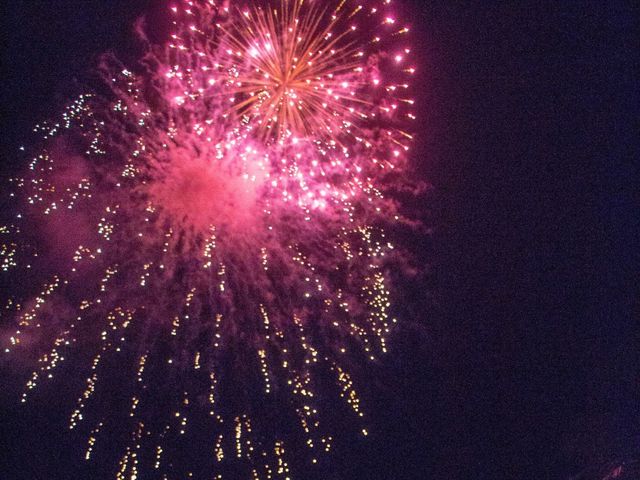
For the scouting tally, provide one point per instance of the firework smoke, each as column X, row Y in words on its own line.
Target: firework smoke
column 214, row 223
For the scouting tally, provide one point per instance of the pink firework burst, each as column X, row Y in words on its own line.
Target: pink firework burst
column 217, row 222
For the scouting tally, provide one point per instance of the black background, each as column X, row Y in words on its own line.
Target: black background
column 526, row 363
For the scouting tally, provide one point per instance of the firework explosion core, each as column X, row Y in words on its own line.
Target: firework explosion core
column 216, row 222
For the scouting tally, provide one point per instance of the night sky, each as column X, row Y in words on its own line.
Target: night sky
column 520, row 356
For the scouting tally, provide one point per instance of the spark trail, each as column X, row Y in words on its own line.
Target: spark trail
column 208, row 239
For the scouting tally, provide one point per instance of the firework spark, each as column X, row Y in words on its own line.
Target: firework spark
column 300, row 76
column 217, row 222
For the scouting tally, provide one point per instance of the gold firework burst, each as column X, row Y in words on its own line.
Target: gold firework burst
column 296, row 73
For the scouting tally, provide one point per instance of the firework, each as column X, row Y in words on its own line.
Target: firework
column 216, row 222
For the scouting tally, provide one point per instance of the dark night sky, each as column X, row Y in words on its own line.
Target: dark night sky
column 528, row 364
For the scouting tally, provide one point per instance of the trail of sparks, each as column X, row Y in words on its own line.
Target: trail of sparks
column 215, row 225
